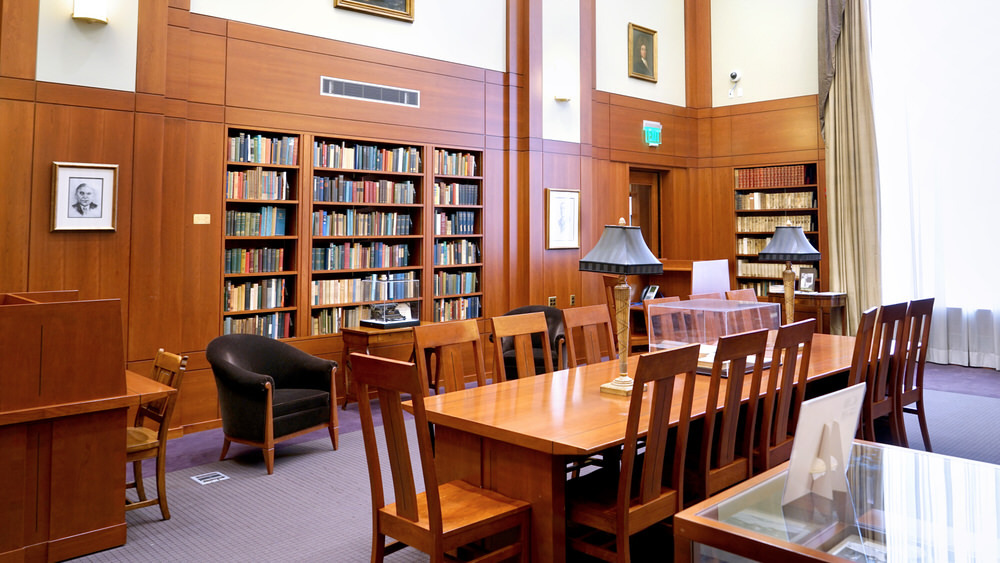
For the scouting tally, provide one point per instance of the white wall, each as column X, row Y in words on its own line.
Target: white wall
column 666, row 18
column 561, row 70
column 458, row 31
column 87, row 54
column 772, row 42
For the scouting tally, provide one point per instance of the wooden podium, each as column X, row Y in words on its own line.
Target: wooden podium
column 63, row 408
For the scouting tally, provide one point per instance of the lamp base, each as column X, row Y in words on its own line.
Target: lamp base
column 621, row 385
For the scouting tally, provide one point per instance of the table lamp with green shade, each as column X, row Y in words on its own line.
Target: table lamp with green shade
column 621, row 250
column 789, row 243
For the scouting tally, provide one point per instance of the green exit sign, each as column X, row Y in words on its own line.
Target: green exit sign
column 651, row 133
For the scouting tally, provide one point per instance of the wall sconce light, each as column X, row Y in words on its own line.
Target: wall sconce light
column 91, row 11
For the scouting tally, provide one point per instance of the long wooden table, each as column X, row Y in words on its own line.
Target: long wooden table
column 516, row 437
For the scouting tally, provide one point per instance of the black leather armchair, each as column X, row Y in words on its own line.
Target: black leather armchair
column 270, row 391
column 557, row 340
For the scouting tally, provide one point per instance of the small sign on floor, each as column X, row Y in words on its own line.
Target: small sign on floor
column 206, row 478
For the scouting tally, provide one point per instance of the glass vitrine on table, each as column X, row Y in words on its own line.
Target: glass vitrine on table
column 901, row 505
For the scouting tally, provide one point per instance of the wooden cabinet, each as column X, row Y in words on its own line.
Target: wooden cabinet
column 262, row 193
column 366, row 224
column 767, row 197
column 457, row 229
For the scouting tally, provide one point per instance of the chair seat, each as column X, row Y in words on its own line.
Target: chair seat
column 140, row 438
column 288, row 401
column 462, row 505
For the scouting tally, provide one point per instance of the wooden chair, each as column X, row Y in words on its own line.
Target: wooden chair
column 593, row 326
column 143, row 442
column 448, row 343
column 863, row 342
column 445, row 516
column 746, row 294
column 887, row 357
column 726, row 454
column 521, row 328
column 637, row 340
column 918, row 331
column 713, row 295
column 786, row 387
column 623, row 501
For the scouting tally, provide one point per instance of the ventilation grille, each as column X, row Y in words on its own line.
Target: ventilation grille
column 206, row 478
column 341, row 88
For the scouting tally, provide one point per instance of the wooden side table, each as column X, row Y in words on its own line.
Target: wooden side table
column 363, row 339
column 819, row 304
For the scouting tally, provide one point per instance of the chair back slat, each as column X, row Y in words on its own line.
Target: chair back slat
column 786, row 383
column 918, row 329
column 392, row 380
column 712, row 295
column 658, row 370
column 888, row 354
column 592, row 326
column 719, row 465
column 863, row 342
column 167, row 369
column 745, row 294
column 520, row 328
column 450, row 344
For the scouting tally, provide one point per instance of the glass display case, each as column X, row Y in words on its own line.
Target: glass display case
column 394, row 302
column 703, row 321
column 901, row 505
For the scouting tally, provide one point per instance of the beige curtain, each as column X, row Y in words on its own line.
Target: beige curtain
column 852, row 168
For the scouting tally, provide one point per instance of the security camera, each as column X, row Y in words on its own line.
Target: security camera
column 735, row 76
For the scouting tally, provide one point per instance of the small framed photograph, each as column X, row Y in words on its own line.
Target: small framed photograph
column 807, row 279
column 84, row 196
column 562, row 219
column 396, row 9
column 641, row 52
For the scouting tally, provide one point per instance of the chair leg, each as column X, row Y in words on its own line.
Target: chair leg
column 161, row 484
column 378, row 548
column 525, row 530
column 922, row 418
column 225, row 448
column 899, row 429
column 333, row 436
column 137, row 474
column 269, row 459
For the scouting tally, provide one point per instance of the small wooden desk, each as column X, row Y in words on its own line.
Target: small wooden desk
column 516, row 437
column 819, row 304
column 363, row 339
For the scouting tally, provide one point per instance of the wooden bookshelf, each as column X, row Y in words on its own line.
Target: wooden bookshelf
column 260, row 266
column 766, row 197
column 457, row 228
column 366, row 224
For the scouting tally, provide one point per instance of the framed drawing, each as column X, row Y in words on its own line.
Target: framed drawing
column 84, row 196
column 396, row 9
column 807, row 279
column 642, row 52
column 562, row 219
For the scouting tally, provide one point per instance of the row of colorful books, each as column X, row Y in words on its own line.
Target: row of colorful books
column 261, row 149
column 360, row 289
column 254, row 260
column 454, row 164
column 275, row 325
column 784, row 200
column 455, row 194
column 460, row 251
column 257, row 183
column 355, row 156
column 268, row 222
column 446, row 283
column 353, row 223
column 455, row 223
column 254, row 295
column 767, row 223
column 353, row 256
column 456, row 309
column 340, row 190
column 774, row 176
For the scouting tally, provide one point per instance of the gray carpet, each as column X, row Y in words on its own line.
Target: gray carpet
column 315, row 507
column 959, row 425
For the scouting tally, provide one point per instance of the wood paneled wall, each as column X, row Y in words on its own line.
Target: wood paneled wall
column 198, row 75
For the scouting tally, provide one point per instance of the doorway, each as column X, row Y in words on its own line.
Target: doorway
column 644, row 206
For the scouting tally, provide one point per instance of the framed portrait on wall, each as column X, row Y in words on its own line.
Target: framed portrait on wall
column 642, row 52
column 562, row 218
column 396, row 9
column 84, row 196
